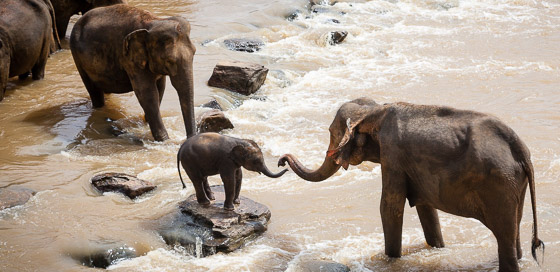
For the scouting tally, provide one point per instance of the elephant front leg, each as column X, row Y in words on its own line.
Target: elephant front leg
column 228, row 178
column 145, row 89
column 393, row 198
column 430, row 224
column 238, row 179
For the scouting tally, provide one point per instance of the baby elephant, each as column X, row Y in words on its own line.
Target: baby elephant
column 208, row 154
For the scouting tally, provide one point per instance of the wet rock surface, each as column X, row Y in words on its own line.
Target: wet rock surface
column 337, row 37
column 244, row 44
column 322, row 266
column 205, row 230
column 128, row 185
column 241, row 77
column 213, row 121
column 213, row 104
column 104, row 257
column 14, row 196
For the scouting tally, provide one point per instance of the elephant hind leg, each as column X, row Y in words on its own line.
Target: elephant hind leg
column 24, row 75
column 207, row 189
column 504, row 226
column 430, row 224
column 38, row 70
column 96, row 94
column 519, row 216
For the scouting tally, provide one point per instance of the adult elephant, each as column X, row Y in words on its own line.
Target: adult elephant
column 461, row 162
column 119, row 49
column 64, row 9
column 26, row 38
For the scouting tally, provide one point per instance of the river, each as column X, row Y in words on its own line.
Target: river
column 500, row 57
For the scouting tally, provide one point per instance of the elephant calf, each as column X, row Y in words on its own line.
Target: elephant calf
column 461, row 162
column 208, row 154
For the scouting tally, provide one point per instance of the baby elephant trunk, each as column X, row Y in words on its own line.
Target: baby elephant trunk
column 269, row 174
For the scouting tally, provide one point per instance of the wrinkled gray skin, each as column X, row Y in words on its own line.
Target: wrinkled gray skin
column 208, row 154
column 64, row 9
column 26, row 38
column 461, row 162
column 119, row 49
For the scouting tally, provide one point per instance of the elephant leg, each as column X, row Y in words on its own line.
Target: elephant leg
column 198, row 183
column 96, row 94
column 38, row 70
column 161, row 87
column 207, row 189
column 228, row 178
column 519, row 216
column 393, row 198
column 145, row 89
column 504, row 226
column 238, row 179
column 430, row 224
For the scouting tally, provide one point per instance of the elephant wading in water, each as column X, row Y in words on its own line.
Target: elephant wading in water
column 208, row 154
column 64, row 9
column 461, row 162
column 26, row 39
column 118, row 49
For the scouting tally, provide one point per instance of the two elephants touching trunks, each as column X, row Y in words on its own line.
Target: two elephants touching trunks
column 461, row 162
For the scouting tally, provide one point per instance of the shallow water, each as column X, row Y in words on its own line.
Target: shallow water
column 498, row 57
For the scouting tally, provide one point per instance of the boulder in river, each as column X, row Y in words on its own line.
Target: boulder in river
column 244, row 44
column 104, row 257
column 337, row 37
column 241, row 77
column 128, row 185
column 205, row 230
column 14, row 196
column 213, row 121
column 213, row 104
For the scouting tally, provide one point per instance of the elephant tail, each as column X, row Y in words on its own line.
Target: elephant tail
column 57, row 45
column 536, row 242
column 179, row 165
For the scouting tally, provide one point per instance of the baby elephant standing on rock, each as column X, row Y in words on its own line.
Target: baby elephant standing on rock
column 208, row 154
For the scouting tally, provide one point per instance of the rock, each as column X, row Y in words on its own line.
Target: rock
column 337, row 37
column 244, row 45
column 213, row 121
column 213, row 104
column 322, row 2
column 322, row 266
column 128, row 185
column 103, row 258
column 292, row 16
column 244, row 78
column 206, row 230
column 14, row 196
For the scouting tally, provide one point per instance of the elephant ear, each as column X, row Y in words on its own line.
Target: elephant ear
column 134, row 47
column 340, row 153
column 239, row 154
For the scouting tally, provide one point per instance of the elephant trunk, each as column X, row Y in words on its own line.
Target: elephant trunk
column 269, row 174
column 183, row 83
column 327, row 169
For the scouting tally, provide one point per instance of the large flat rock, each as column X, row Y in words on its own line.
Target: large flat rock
column 14, row 196
column 128, row 185
column 210, row 229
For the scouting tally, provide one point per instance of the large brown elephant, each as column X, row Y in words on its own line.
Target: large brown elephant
column 119, row 49
column 461, row 162
column 64, row 9
column 26, row 39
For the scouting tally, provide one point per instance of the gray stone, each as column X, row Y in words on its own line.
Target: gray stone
column 128, row 185
column 104, row 257
column 213, row 104
column 337, row 37
column 206, row 230
column 241, row 77
column 244, row 45
column 213, row 121
column 321, row 266
column 14, row 196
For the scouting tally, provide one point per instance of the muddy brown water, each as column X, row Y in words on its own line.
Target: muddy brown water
column 500, row 57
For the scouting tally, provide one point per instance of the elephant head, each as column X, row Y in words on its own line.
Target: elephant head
column 249, row 155
column 165, row 48
column 353, row 139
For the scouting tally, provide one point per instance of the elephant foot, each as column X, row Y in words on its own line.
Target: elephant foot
column 236, row 201
column 24, row 76
column 211, row 196
column 204, row 203
column 228, row 207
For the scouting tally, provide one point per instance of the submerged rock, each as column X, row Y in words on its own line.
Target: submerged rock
column 241, row 77
column 128, row 185
column 14, row 196
column 322, row 266
column 213, row 104
column 244, row 45
column 205, row 230
column 103, row 258
column 337, row 37
column 213, row 121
